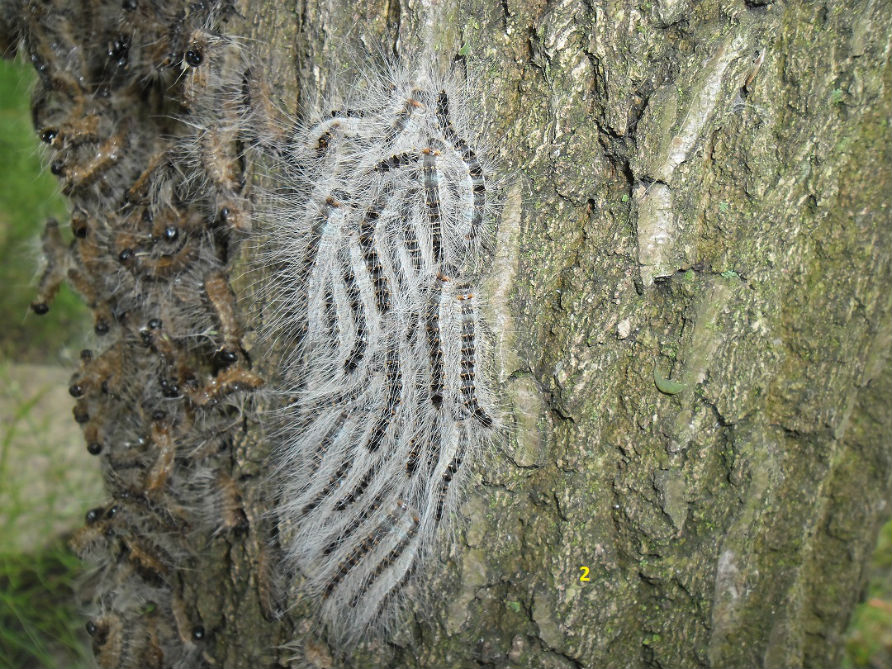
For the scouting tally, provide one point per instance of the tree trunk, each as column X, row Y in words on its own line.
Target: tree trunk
column 690, row 300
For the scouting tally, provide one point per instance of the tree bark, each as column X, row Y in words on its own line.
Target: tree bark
column 690, row 299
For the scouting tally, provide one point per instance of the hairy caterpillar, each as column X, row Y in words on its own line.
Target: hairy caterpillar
column 380, row 220
column 122, row 90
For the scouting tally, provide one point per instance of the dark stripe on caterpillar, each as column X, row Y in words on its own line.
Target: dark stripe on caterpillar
column 370, row 254
column 361, row 332
column 402, row 117
column 475, row 171
column 450, row 473
column 395, row 161
column 411, row 238
column 334, row 481
column 412, row 460
column 354, row 494
column 468, row 373
column 394, row 391
column 435, row 346
column 432, row 199
column 388, row 559
column 355, row 523
column 326, row 442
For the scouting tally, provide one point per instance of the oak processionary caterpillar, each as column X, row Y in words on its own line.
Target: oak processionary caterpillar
column 378, row 227
column 376, row 232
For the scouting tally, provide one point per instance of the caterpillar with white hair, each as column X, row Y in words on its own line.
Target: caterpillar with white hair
column 379, row 222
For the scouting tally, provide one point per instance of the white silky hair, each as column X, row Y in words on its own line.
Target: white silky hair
column 379, row 218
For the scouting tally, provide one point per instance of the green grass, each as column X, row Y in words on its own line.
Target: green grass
column 39, row 626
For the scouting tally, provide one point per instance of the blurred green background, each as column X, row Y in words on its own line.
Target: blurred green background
column 47, row 479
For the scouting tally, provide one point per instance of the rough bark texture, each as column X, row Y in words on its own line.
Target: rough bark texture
column 702, row 194
column 691, row 296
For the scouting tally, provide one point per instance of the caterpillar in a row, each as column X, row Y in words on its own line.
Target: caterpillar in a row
column 380, row 219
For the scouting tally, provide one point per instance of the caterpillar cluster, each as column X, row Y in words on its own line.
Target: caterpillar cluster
column 381, row 223
column 378, row 225
column 156, row 209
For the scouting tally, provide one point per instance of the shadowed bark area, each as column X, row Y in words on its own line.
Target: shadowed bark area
column 690, row 299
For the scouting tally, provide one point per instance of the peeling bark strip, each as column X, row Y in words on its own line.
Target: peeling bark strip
column 412, row 195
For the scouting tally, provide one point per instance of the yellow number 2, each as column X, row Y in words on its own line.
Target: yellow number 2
column 584, row 576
